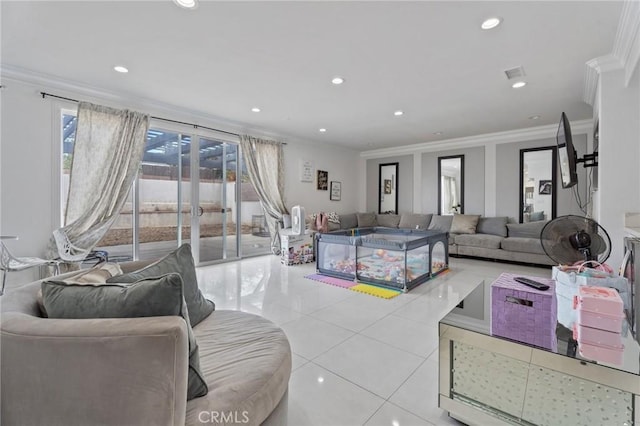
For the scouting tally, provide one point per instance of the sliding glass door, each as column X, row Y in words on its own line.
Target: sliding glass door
column 216, row 209
column 191, row 188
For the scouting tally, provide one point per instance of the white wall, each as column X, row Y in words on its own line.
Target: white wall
column 340, row 163
column 619, row 155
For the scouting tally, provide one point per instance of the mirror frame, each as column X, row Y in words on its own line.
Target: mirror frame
column 554, row 179
column 449, row 157
column 380, row 186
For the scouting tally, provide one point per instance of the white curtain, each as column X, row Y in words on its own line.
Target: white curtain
column 107, row 153
column 265, row 165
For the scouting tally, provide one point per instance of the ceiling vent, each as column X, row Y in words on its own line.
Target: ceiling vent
column 512, row 73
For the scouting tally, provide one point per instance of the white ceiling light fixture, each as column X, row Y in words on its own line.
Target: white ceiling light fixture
column 255, row 109
column 437, row 133
column 518, row 84
column 337, row 80
column 534, row 117
column 121, row 69
column 491, row 23
column 398, row 113
column 322, row 130
column 187, row 4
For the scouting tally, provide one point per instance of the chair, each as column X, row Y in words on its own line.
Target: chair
column 10, row 263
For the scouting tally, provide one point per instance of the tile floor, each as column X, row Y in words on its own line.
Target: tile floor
column 357, row 359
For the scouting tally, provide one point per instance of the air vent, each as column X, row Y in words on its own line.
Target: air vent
column 514, row 73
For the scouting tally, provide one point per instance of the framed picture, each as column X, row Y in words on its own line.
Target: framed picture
column 336, row 191
column 323, row 180
column 545, row 187
column 306, row 171
column 387, row 186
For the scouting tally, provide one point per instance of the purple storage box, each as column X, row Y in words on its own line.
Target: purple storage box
column 522, row 313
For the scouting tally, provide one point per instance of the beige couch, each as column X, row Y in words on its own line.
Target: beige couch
column 134, row 371
column 494, row 237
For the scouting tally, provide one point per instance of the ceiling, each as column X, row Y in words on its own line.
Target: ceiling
column 429, row 59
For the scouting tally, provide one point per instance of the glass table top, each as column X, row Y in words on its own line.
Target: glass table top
column 474, row 314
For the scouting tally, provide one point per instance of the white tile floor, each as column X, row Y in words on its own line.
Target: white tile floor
column 357, row 359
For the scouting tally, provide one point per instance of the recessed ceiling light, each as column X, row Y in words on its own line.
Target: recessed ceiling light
column 187, row 4
column 437, row 133
column 254, row 109
column 518, row 84
column 397, row 113
column 337, row 80
column 322, row 130
column 491, row 23
column 534, row 117
column 120, row 68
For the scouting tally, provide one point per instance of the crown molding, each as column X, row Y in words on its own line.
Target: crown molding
column 590, row 84
column 510, row 136
column 73, row 89
column 626, row 46
column 594, row 68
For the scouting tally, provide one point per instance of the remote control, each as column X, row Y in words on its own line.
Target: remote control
column 532, row 283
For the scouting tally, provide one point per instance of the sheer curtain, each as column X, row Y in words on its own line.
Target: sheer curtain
column 265, row 165
column 107, row 153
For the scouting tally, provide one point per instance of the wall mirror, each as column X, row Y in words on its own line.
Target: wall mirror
column 537, row 184
column 388, row 188
column 451, row 189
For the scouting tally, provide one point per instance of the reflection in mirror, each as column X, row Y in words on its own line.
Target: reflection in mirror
column 451, row 189
column 388, row 188
column 537, row 184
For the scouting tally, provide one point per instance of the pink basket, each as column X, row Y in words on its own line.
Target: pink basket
column 596, row 336
column 522, row 313
column 601, row 353
column 599, row 307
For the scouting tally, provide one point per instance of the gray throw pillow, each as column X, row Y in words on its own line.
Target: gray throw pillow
column 366, row 220
column 149, row 297
column 526, row 230
column 415, row 221
column 348, row 221
column 493, row 226
column 441, row 223
column 180, row 262
column 388, row 220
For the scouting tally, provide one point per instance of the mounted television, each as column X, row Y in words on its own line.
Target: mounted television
column 566, row 153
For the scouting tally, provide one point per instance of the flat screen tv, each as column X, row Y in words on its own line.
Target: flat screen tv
column 566, row 153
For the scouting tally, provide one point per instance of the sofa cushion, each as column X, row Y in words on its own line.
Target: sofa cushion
column 181, row 262
column 525, row 230
column 247, row 363
column 479, row 240
column 100, row 273
column 536, row 216
column 522, row 245
column 366, row 220
column 493, row 226
column 415, row 221
column 149, row 297
column 388, row 220
column 464, row 223
column 348, row 221
column 440, row 223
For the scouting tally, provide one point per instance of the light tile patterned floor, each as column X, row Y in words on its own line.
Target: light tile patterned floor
column 357, row 359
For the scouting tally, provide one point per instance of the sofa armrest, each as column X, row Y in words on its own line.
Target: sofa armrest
column 125, row 371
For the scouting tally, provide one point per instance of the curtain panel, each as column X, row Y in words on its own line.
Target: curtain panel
column 107, row 154
column 265, row 165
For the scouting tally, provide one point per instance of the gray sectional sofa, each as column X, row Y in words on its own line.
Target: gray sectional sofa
column 472, row 235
